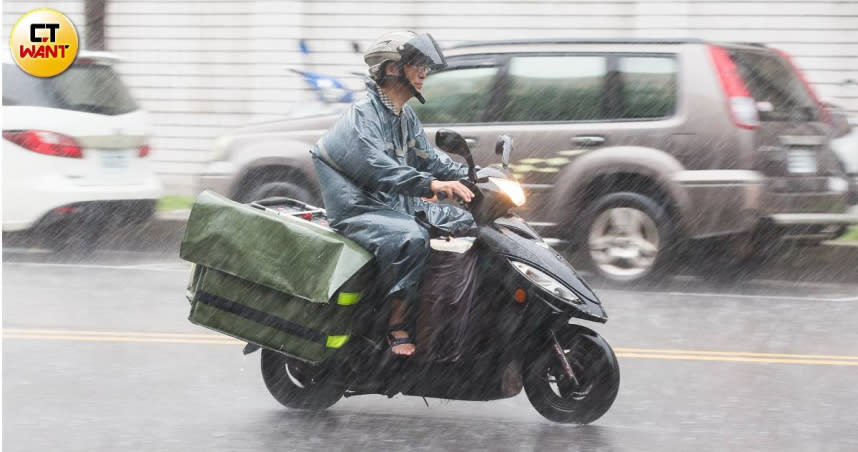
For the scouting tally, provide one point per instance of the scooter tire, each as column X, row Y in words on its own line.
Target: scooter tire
column 595, row 366
column 298, row 385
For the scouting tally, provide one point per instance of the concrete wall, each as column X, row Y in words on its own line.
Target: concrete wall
column 202, row 68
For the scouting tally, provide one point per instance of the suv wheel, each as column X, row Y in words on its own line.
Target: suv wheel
column 627, row 237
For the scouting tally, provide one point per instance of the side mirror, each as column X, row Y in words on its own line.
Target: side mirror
column 503, row 147
column 450, row 141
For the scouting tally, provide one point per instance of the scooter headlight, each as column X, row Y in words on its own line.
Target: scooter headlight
column 546, row 282
column 511, row 188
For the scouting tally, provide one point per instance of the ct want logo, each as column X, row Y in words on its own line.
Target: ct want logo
column 44, row 42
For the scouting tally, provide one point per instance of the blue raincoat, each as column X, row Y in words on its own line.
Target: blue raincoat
column 374, row 167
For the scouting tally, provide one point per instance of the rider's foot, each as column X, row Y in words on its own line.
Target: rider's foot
column 401, row 344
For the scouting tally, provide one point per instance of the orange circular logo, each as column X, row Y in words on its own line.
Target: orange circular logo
column 44, row 42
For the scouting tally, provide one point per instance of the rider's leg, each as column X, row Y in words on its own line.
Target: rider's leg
column 398, row 315
column 401, row 250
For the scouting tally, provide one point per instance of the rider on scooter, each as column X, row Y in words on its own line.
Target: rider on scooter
column 376, row 162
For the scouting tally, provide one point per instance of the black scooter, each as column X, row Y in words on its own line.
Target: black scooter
column 517, row 331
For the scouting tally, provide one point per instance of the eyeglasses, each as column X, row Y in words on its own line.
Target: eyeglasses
column 424, row 68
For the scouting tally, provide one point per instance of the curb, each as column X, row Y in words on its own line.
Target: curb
column 834, row 261
column 173, row 215
column 163, row 234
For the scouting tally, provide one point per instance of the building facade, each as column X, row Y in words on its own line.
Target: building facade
column 203, row 68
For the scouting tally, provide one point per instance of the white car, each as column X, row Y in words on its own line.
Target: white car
column 74, row 152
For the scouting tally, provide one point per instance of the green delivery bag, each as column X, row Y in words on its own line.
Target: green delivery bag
column 271, row 279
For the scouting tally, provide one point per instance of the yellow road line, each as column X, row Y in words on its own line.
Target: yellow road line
column 622, row 352
column 717, row 353
column 86, row 338
column 107, row 333
column 737, row 359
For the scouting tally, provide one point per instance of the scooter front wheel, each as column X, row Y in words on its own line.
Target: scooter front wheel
column 298, row 385
column 582, row 397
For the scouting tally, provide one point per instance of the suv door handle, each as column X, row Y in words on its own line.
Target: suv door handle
column 591, row 140
column 471, row 141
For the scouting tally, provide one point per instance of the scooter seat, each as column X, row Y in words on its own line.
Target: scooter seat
column 452, row 245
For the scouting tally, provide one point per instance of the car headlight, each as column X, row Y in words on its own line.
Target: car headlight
column 511, row 188
column 546, row 282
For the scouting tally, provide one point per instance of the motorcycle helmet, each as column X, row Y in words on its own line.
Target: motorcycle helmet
column 403, row 47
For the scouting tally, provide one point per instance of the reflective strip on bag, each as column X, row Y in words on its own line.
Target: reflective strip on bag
column 337, row 341
column 348, row 298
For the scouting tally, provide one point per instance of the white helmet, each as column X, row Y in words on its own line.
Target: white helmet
column 403, row 47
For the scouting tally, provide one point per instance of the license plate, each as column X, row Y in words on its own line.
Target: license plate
column 114, row 160
column 802, row 162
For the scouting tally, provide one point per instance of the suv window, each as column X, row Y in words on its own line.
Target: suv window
column 456, row 95
column 555, row 88
column 648, row 87
column 91, row 88
column 779, row 93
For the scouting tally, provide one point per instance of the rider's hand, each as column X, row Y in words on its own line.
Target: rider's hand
column 453, row 189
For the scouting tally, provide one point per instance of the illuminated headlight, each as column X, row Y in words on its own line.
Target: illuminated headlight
column 511, row 188
column 546, row 282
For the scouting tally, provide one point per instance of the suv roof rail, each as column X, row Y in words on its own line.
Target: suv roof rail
column 581, row 41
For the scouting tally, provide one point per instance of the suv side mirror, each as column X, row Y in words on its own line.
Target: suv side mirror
column 450, row 141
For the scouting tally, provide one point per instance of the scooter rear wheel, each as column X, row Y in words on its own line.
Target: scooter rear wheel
column 583, row 399
column 298, row 385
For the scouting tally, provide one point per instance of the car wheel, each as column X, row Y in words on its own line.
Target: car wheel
column 278, row 189
column 628, row 236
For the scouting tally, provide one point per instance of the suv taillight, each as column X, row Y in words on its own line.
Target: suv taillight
column 823, row 112
column 44, row 142
column 143, row 151
column 742, row 107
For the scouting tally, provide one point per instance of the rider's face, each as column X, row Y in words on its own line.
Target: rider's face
column 416, row 75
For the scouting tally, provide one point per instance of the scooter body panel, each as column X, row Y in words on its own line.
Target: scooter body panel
column 515, row 240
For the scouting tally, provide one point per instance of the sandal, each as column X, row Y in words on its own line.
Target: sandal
column 396, row 341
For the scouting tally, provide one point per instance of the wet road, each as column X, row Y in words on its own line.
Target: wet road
column 98, row 355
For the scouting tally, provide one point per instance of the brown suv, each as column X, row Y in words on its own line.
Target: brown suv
column 627, row 148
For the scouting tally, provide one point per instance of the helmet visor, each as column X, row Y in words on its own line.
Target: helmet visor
column 422, row 50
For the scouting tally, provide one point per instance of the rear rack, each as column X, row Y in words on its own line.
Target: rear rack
column 292, row 207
